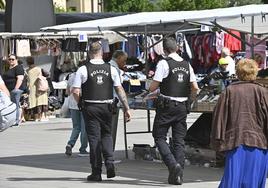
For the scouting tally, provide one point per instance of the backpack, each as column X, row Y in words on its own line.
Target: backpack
column 41, row 84
column 8, row 111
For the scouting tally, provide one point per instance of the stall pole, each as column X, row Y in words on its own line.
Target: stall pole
column 252, row 37
column 125, row 136
column 147, row 71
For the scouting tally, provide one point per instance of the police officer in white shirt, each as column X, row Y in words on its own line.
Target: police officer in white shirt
column 175, row 79
column 97, row 79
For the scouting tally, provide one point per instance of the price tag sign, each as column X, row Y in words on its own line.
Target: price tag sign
column 135, row 82
column 82, row 37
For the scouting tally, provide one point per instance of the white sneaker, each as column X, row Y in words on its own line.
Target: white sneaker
column 45, row 119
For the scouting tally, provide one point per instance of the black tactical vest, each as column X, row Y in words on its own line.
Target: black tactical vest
column 177, row 83
column 99, row 84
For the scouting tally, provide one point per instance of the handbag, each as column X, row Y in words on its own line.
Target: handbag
column 41, row 84
column 64, row 111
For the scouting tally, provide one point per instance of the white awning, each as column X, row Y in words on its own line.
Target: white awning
column 237, row 18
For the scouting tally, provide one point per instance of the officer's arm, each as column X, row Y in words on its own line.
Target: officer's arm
column 122, row 96
column 76, row 93
column 154, row 86
column 195, row 87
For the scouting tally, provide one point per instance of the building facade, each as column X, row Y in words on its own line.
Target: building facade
column 90, row 6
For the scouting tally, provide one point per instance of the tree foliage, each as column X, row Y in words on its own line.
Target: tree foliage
column 172, row 5
column 2, row 5
column 128, row 5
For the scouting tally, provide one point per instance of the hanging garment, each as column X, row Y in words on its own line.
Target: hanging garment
column 73, row 45
column 219, row 42
column 158, row 48
column 232, row 43
column 23, row 48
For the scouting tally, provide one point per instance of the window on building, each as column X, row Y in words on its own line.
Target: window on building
column 72, row 9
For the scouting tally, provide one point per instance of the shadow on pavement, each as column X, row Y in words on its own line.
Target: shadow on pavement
column 105, row 181
column 141, row 172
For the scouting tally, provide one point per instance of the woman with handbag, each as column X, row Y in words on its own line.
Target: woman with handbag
column 38, row 99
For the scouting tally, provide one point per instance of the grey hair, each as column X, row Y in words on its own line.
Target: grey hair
column 119, row 53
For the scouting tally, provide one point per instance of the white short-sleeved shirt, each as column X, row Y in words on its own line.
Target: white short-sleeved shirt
column 81, row 76
column 162, row 71
column 72, row 102
column 231, row 65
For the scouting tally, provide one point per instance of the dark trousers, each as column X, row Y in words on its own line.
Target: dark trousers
column 98, row 118
column 171, row 115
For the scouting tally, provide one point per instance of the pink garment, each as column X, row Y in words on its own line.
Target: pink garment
column 219, row 41
column 150, row 50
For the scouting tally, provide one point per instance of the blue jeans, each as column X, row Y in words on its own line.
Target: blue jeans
column 78, row 127
column 15, row 95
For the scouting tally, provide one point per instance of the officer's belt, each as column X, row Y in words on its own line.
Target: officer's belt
column 170, row 101
column 109, row 101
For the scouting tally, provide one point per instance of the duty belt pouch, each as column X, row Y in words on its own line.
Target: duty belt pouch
column 166, row 103
column 114, row 105
column 160, row 103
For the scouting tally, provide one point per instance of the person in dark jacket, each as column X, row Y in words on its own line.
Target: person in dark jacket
column 240, row 127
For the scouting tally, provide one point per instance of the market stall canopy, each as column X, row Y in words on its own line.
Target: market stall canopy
column 111, row 36
column 237, row 18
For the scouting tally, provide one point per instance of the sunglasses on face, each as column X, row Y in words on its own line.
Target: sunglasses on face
column 10, row 59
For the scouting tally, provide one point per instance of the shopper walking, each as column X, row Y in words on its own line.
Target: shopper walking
column 239, row 128
column 175, row 78
column 97, row 79
column 78, row 123
column 38, row 100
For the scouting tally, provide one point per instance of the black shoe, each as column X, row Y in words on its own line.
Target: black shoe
column 14, row 125
column 175, row 175
column 110, row 171
column 94, row 177
column 68, row 150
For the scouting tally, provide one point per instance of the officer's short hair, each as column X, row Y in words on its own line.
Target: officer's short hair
column 94, row 48
column 119, row 53
column 170, row 45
